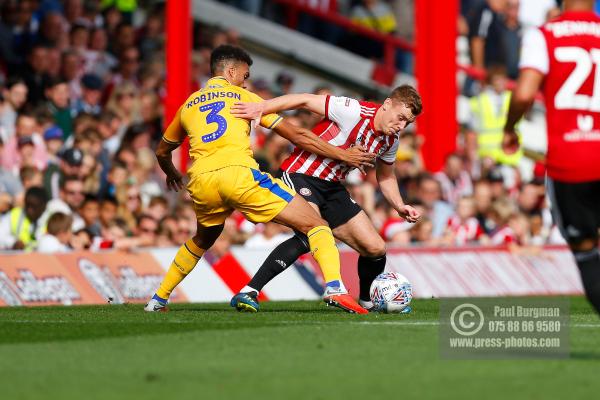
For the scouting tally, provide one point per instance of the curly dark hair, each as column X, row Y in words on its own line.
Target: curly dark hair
column 225, row 53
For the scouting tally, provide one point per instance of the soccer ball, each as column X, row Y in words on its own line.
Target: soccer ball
column 391, row 293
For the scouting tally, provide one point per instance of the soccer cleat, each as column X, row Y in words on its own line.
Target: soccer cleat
column 340, row 298
column 247, row 302
column 156, row 304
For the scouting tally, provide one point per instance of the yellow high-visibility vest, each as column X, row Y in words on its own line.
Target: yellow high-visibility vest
column 491, row 128
column 122, row 5
column 20, row 228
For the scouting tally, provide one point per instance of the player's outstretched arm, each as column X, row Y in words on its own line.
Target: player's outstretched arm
column 389, row 188
column 254, row 111
column 528, row 84
column 356, row 157
column 171, row 140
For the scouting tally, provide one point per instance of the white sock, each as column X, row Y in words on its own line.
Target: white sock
column 247, row 289
column 365, row 304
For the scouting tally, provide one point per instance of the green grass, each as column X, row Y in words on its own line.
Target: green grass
column 290, row 350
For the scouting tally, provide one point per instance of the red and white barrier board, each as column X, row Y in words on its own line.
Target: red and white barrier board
column 93, row 278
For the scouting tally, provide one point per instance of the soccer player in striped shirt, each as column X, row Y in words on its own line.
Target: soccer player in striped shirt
column 347, row 122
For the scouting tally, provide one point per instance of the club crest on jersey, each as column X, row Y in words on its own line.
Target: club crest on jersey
column 305, row 191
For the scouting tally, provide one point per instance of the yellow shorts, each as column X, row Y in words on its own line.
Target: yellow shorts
column 256, row 194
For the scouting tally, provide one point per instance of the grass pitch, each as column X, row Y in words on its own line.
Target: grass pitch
column 290, row 350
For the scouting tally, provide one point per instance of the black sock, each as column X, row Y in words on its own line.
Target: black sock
column 589, row 268
column 368, row 269
column 282, row 257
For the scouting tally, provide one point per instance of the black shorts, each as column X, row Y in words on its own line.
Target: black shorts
column 332, row 198
column 575, row 208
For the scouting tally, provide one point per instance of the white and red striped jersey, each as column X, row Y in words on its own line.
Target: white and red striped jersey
column 464, row 231
column 347, row 123
column 503, row 235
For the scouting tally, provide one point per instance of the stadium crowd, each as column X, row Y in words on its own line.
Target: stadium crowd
column 80, row 114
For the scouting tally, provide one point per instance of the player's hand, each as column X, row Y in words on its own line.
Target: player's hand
column 358, row 157
column 250, row 111
column 510, row 142
column 409, row 213
column 174, row 181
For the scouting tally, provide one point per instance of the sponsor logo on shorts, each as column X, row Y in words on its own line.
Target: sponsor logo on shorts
column 305, row 191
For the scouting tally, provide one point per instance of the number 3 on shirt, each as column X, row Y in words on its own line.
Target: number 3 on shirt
column 214, row 117
column 567, row 97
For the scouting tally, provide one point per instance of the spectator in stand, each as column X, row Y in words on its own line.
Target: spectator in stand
column 53, row 31
column 97, row 60
column 35, row 74
column 130, row 203
column 9, row 184
column 482, row 195
column 90, row 213
column 152, row 37
column 58, row 235
column 463, row 228
column 53, row 138
column 108, row 212
column 374, row 14
column 438, row 211
column 69, row 201
column 79, row 37
column 81, row 240
column 26, row 131
column 158, row 208
column 30, row 177
column 117, row 176
column 495, row 36
column 147, row 229
column 129, row 61
column 530, row 198
column 69, row 165
column 488, row 116
column 110, row 128
column 123, row 102
column 57, row 93
column 284, row 83
column 91, row 96
column 14, row 96
column 501, row 213
column 71, row 71
column 421, row 233
column 20, row 228
column 454, row 180
column 511, row 38
column 26, row 153
column 54, row 68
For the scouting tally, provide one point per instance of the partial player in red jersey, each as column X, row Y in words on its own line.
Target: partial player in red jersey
column 347, row 123
column 563, row 58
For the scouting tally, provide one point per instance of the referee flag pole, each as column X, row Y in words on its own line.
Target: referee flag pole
column 178, row 54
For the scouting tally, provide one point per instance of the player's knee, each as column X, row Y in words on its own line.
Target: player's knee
column 374, row 249
column 306, row 226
